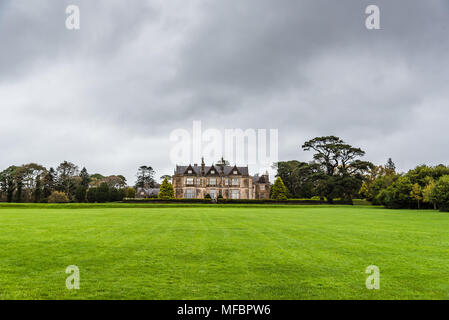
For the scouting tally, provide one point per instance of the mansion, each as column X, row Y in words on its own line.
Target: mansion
column 229, row 182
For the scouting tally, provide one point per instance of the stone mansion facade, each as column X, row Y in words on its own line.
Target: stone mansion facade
column 230, row 182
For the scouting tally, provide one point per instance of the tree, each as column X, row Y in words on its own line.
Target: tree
column 103, row 194
column 397, row 195
column 37, row 190
column 81, row 189
column 441, row 193
column 166, row 191
column 378, row 178
column 166, row 176
column 145, row 177
column 390, row 167
column 92, row 194
column 117, row 182
column 416, row 194
column 278, row 190
column 298, row 177
column 8, row 182
column 48, row 183
column 114, row 194
column 342, row 173
column 96, row 179
column 58, row 197
column 131, row 193
column 428, row 196
column 65, row 174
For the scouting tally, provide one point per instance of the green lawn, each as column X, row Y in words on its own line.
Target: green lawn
column 222, row 252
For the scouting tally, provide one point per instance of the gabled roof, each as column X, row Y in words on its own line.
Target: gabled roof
column 212, row 167
column 189, row 167
column 197, row 169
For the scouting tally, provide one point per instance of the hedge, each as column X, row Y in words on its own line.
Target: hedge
column 230, row 201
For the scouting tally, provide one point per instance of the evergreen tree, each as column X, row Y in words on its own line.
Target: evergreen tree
column 166, row 191
column 145, row 177
column 390, row 166
column 279, row 191
column 81, row 189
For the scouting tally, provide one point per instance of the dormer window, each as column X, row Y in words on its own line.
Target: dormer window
column 235, row 172
column 212, row 171
column 189, row 171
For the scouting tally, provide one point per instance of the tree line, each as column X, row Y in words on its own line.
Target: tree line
column 337, row 171
column 67, row 183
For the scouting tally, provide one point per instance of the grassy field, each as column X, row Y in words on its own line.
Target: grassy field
column 222, row 252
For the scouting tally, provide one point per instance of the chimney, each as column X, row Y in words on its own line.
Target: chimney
column 203, row 169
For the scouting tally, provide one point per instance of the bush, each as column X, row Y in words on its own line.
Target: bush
column 279, row 190
column 58, row 197
column 441, row 193
column 166, row 191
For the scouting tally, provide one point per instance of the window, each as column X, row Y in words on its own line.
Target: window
column 212, row 171
column 212, row 181
column 235, row 194
column 226, row 181
column 235, row 182
column 235, row 172
column 189, row 172
column 190, row 194
column 213, row 194
column 189, row 181
column 262, row 187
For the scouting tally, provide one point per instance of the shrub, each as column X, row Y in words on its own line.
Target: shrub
column 58, row 197
column 166, row 191
column 279, row 190
column 441, row 193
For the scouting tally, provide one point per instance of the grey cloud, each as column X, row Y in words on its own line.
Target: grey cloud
column 108, row 96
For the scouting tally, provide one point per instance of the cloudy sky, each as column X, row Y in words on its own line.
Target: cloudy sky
column 108, row 95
